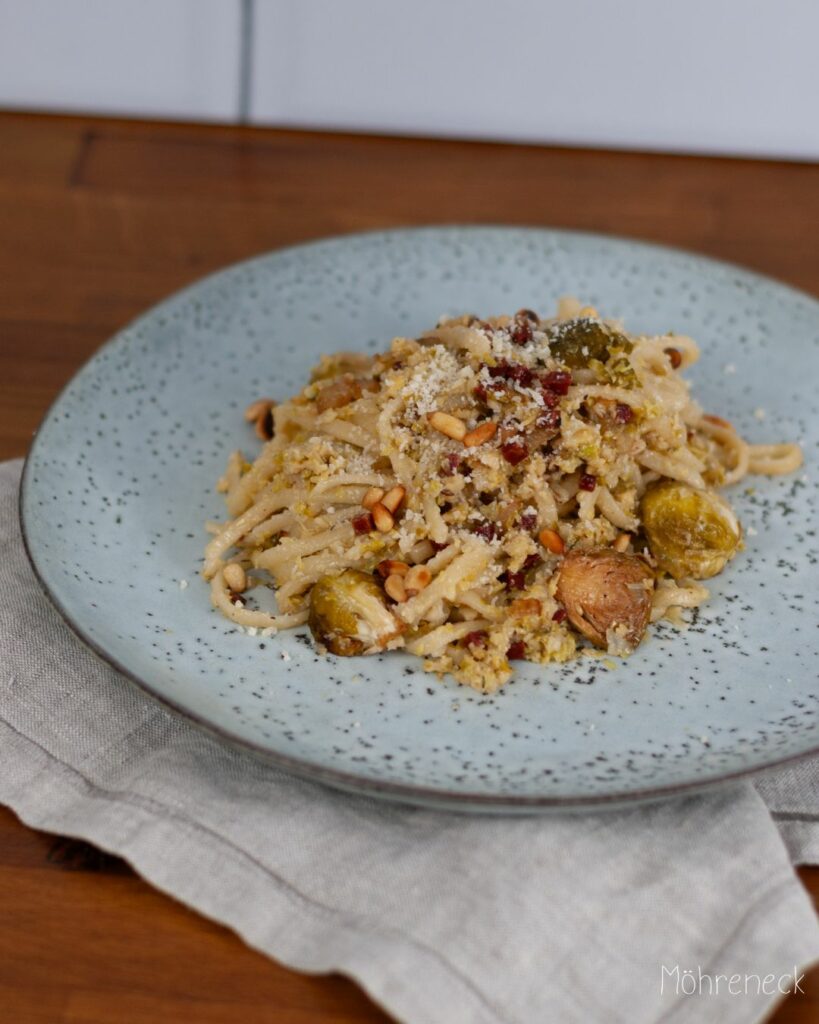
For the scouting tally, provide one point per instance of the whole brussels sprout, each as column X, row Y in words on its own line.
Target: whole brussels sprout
column 579, row 341
column 349, row 614
column 691, row 533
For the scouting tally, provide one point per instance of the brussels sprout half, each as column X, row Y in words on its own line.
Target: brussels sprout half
column 349, row 614
column 691, row 533
column 579, row 341
column 607, row 595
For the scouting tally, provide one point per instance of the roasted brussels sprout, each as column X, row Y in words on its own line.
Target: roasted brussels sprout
column 349, row 614
column 579, row 341
column 607, row 596
column 691, row 533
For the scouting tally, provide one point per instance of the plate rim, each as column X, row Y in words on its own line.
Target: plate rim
column 407, row 793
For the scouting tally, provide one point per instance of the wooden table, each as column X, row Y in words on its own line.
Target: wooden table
column 99, row 219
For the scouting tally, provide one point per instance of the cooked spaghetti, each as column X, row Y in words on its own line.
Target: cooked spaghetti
column 512, row 488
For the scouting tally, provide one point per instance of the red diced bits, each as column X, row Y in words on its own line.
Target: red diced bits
column 521, row 332
column 438, row 545
column 675, row 356
column 514, row 452
column 550, row 399
column 531, row 561
column 363, row 523
column 558, row 381
column 477, row 638
column 486, row 528
column 516, row 372
column 524, row 376
column 623, row 413
column 560, row 615
column 480, row 392
column 515, row 580
column 451, row 463
column 516, row 650
column 588, row 482
column 528, row 521
column 549, row 419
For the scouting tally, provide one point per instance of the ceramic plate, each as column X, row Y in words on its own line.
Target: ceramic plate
column 121, row 476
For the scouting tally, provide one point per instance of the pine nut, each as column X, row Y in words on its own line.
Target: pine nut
column 382, row 517
column 421, row 552
column 552, row 541
column 448, row 425
column 622, row 542
column 481, row 434
column 258, row 408
column 524, row 606
column 588, row 311
column 372, row 496
column 389, row 567
column 394, row 588
column 264, row 425
column 417, row 579
column 235, row 577
column 393, row 498
column 718, row 421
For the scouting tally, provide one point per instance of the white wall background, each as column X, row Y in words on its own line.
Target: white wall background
column 151, row 58
column 721, row 76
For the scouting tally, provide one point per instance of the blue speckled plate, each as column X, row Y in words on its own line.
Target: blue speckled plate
column 121, row 479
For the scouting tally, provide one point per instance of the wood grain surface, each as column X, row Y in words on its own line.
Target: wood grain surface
column 99, row 219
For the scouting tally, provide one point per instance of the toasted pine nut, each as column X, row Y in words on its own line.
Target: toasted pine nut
column 393, row 498
column 421, row 552
column 264, row 425
column 622, row 542
column 552, row 541
column 588, row 311
column 718, row 421
column 394, row 588
column 416, row 579
column 372, row 496
column 382, row 517
column 451, row 426
column 482, row 433
column 524, row 606
column 258, row 408
column 235, row 577
column 389, row 567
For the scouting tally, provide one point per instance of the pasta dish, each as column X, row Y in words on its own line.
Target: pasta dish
column 493, row 490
